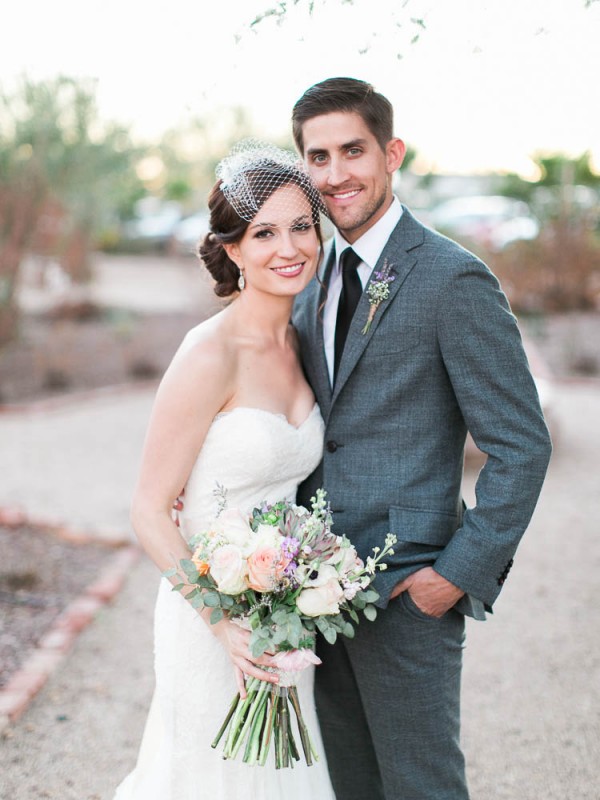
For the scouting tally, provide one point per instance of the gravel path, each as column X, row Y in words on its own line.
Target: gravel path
column 532, row 671
column 77, row 463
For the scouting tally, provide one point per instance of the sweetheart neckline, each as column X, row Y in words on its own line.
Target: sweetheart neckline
column 277, row 415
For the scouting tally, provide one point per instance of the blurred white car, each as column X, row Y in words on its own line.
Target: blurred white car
column 188, row 233
column 493, row 221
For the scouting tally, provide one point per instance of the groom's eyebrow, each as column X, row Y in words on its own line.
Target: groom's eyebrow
column 313, row 151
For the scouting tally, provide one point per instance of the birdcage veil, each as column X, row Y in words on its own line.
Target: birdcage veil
column 253, row 170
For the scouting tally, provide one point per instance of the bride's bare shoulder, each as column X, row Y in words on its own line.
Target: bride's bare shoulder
column 204, row 357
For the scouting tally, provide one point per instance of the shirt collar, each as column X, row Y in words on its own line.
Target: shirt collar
column 370, row 245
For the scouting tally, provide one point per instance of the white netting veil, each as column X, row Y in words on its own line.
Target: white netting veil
column 254, row 170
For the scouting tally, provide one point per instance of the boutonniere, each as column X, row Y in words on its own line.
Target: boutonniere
column 378, row 290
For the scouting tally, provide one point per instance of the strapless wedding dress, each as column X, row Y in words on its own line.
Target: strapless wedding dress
column 256, row 455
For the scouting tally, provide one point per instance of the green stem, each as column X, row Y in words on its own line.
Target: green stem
column 307, row 744
column 256, row 702
column 253, row 743
column 285, row 723
column 266, row 740
column 240, row 714
column 294, row 754
column 223, row 727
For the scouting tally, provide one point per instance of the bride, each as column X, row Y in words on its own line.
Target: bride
column 233, row 409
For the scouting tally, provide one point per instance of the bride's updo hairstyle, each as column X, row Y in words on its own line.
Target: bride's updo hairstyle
column 246, row 179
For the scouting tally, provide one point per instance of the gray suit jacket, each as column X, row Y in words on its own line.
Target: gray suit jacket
column 443, row 356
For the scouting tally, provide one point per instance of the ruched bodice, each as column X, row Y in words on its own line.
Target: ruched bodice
column 256, row 456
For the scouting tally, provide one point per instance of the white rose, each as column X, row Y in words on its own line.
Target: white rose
column 267, row 536
column 228, row 567
column 320, row 600
column 350, row 561
column 338, row 553
column 235, row 528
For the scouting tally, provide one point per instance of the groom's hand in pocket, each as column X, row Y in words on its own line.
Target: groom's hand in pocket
column 431, row 592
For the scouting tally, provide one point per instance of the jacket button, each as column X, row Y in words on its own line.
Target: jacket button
column 332, row 446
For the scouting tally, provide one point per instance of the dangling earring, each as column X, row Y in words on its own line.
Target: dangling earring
column 241, row 281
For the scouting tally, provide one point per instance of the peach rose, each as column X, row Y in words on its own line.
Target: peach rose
column 228, row 568
column 265, row 568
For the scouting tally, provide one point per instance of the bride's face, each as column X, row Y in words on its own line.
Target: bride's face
column 279, row 251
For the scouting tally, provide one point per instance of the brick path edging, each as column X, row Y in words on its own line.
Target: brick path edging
column 58, row 640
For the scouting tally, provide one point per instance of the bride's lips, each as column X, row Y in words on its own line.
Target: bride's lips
column 290, row 271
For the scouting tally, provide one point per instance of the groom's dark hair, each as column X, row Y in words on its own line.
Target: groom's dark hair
column 345, row 94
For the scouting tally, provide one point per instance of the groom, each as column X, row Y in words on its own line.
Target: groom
column 442, row 356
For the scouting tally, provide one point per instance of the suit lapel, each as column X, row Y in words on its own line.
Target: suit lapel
column 313, row 356
column 398, row 252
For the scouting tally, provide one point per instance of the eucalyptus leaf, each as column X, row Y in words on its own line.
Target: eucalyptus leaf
column 295, row 624
column 190, row 570
column 358, row 601
column 259, row 647
column 280, row 616
column 370, row 613
column 168, row 573
column 216, row 616
column 330, row 635
column 322, row 624
column 212, row 599
column 294, row 636
column 371, row 595
column 280, row 635
column 197, row 601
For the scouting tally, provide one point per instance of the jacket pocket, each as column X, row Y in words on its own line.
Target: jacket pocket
column 421, row 526
column 421, row 534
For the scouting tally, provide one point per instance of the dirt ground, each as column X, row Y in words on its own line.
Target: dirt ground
column 40, row 574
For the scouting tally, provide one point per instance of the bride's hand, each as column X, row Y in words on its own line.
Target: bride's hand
column 236, row 640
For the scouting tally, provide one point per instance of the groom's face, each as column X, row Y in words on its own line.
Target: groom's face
column 352, row 172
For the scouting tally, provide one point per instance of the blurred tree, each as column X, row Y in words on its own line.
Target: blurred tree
column 187, row 156
column 63, row 176
column 560, row 270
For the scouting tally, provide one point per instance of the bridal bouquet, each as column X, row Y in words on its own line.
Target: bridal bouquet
column 281, row 572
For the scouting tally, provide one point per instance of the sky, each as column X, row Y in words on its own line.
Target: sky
column 486, row 85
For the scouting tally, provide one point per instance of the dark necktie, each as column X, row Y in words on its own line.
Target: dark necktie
column 351, row 292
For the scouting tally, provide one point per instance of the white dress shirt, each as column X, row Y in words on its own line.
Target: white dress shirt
column 369, row 247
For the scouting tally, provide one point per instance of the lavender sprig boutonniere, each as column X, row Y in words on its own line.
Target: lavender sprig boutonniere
column 378, row 290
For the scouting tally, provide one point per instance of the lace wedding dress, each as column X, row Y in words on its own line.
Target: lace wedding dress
column 256, row 455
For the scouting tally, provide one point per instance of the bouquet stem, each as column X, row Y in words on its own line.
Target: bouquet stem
column 307, row 745
column 264, row 749
column 223, row 727
column 261, row 718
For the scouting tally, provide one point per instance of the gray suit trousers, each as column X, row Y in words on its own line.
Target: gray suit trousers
column 389, row 706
